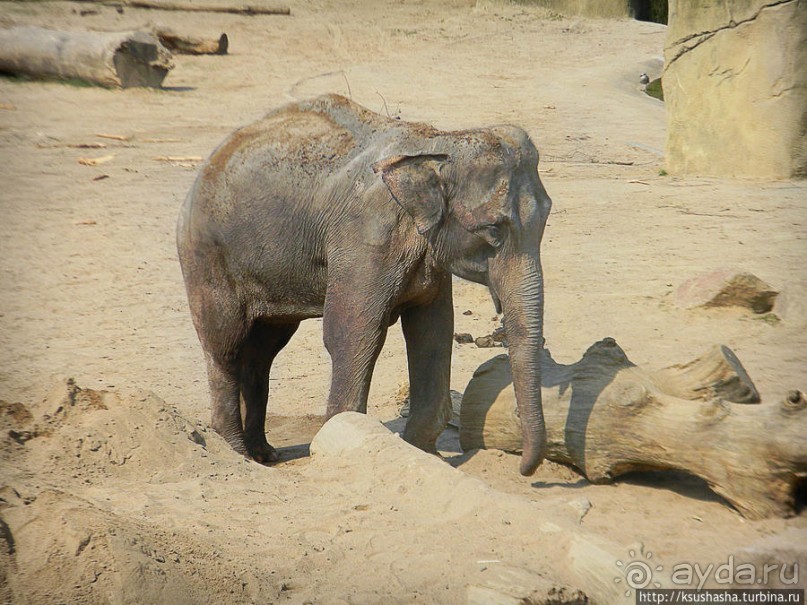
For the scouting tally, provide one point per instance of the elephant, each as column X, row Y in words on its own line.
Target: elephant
column 324, row 208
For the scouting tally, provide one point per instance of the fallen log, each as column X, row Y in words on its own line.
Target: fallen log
column 191, row 45
column 204, row 7
column 122, row 59
column 607, row 417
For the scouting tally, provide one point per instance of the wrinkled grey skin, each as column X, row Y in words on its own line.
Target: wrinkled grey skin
column 325, row 209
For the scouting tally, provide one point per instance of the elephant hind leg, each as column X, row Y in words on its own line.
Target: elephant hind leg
column 222, row 376
column 222, row 328
column 264, row 342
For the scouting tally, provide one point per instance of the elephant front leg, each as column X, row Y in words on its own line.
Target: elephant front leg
column 428, row 331
column 354, row 332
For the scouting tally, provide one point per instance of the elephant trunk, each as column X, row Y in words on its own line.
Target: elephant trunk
column 521, row 291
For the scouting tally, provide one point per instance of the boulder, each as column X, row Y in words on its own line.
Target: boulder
column 726, row 288
column 485, row 342
column 463, row 338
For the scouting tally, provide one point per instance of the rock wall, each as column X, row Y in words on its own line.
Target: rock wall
column 735, row 86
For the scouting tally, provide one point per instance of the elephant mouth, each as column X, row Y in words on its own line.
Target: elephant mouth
column 496, row 302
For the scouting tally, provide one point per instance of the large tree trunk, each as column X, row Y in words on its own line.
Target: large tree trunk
column 607, row 417
column 109, row 59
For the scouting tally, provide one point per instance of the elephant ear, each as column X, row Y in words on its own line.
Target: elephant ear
column 415, row 184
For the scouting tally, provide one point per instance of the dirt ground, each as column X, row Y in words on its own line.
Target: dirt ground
column 114, row 489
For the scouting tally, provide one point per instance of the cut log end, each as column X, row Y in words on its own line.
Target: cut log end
column 138, row 63
column 224, row 45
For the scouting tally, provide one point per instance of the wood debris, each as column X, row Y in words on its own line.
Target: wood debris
column 114, row 137
column 96, row 161
column 177, row 159
column 87, row 145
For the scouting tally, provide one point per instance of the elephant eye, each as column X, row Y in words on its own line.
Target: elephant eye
column 492, row 234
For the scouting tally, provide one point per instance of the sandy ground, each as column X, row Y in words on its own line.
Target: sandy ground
column 119, row 492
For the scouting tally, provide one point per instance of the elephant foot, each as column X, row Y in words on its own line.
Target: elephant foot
column 261, row 452
column 235, row 439
column 427, row 445
column 258, row 449
column 423, row 434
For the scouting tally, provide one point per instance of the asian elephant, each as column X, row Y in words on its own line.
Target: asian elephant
column 326, row 209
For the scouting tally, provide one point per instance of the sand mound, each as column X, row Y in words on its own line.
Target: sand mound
column 102, row 433
column 101, row 502
column 69, row 549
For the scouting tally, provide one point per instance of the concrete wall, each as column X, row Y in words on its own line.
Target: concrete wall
column 735, row 87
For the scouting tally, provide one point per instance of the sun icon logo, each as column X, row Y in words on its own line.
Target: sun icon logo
column 637, row 571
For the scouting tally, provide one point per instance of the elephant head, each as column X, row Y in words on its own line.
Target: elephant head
column 477, row 199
